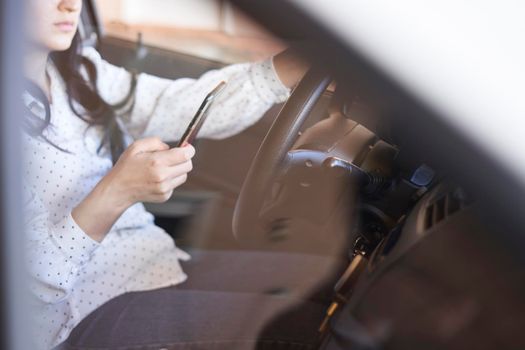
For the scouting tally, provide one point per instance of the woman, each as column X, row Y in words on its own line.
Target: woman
column 90, row 239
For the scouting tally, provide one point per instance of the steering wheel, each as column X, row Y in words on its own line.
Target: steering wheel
column 272, row 153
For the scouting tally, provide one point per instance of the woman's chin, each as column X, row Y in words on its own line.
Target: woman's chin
column 61, row 46
column 58, row 43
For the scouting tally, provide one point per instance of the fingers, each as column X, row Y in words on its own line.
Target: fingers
column 176, row 155
column 164, row 173
column 148, row 144
column 169, row 164
column 180, row 169
column 165, row 168
column 151, row 170
column 161, row 197
column 179, row 180
column 164, row 190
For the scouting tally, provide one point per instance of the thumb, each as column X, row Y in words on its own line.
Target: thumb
column 149, row 144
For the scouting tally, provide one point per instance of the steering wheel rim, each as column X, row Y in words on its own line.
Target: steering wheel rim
column 272, row 151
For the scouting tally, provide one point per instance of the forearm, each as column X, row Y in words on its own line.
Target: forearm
column 97, row 213
column 147, row 171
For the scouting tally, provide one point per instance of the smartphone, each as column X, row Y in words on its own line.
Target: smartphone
column 198, row 120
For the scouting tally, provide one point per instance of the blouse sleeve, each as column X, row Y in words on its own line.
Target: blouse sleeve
column 164, row 107
column 55, row 251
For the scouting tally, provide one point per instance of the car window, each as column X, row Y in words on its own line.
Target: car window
column 210, row 29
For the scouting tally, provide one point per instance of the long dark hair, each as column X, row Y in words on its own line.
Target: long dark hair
column 82, row 92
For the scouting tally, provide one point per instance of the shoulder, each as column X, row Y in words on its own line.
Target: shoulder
column 91, row 53
column 112, row 80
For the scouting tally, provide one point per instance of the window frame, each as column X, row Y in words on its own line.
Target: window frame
column 14, row 295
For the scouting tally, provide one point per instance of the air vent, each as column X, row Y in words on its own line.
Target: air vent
column 443, row 207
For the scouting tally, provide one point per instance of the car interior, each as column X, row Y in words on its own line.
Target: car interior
column 343, row 169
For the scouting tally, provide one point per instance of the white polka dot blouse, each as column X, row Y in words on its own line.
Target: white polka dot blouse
column 71, row 274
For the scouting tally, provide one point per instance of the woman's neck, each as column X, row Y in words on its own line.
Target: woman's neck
column 35, row 63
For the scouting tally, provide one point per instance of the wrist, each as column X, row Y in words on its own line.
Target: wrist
column 111, row 198
column 97, row 213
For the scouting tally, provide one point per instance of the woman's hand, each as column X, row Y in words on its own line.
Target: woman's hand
column 290, row 67
column 148, row 171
